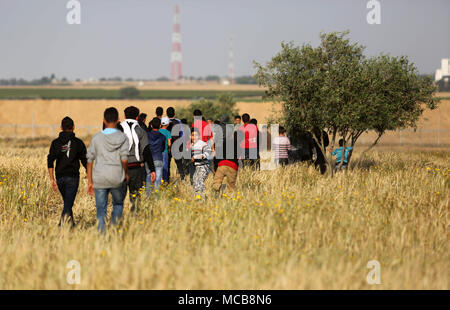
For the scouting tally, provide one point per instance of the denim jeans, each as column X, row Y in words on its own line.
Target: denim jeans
column 148, row 183
column 166, row 163
column 68, row 187
column 101, row 202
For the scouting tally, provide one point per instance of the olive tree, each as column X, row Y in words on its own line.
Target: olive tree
column 334, row 88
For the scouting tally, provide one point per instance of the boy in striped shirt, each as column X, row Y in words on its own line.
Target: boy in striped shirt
column 281, row 146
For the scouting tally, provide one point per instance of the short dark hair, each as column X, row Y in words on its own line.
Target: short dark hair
column 159, row 111
column 341, row 142
column 197, row 112
column 67, row 123
column 254, row 121
column 183, row 121
column 131, row 112
column 237, row 117
column 142, row 117
column 281, row 130
column 156, row 123
column 245, row 118
column 170, row 112
column 111, row 115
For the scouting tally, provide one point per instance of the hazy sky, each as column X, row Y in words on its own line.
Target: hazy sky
column 132, row 38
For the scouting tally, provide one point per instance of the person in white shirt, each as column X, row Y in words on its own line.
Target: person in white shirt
column 200, row 151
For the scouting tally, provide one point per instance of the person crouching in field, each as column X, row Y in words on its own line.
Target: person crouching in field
column 281, row 146
column 200, row 151
column 68, row 151
column 338, row 153
column 226, row 159
column 139, row 154
column 107, row 168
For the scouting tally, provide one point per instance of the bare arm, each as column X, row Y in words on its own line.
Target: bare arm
column 89, row 177
column 125, row 168
column 52, row 179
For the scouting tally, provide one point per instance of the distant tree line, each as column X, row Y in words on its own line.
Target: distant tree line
column 247, row 79
column 22, row 82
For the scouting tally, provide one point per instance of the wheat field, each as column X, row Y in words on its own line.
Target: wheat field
column 90, row 112
column 289, row 228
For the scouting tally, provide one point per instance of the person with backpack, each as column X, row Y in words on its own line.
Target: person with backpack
column 139, row 154
column 68, row 151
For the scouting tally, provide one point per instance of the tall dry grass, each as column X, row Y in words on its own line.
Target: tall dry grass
column 284, row 229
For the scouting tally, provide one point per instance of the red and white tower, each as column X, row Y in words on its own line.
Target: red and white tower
column 176, row 60
column 231, row 61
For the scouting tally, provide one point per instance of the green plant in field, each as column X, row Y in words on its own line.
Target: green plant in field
column 224, row 105
column 129, row 93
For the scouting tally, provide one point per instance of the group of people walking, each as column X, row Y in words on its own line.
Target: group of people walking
column 133, row 156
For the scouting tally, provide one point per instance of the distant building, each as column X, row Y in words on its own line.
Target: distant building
column 444, row 70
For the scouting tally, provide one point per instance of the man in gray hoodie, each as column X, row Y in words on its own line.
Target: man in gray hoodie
column 139, row 154
column 107, row 168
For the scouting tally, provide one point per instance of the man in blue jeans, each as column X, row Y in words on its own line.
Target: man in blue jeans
column 68, row 151
column 157, row 143
column 109, row 173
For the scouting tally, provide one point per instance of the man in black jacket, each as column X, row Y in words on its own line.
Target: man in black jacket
column 176, row 134
column 319, row 161
column 68, row 151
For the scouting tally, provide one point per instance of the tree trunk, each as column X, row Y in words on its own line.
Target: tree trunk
column 380, row 134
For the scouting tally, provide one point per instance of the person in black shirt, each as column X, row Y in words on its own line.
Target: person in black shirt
column 176, row 134
column 68, row 151
column 141, row 120
column 319, row 160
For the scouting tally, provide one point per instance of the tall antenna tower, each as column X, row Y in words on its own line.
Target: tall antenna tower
column 176, row 59
column 231, row 61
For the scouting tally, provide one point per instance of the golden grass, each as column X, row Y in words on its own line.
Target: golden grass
column 285, row 229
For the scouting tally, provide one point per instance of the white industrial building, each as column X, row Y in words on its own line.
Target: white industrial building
column 444, row 70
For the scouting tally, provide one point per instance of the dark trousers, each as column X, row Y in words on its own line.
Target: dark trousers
column 136, row 185
column 168, row 168
column 68, row 187
column 251, row 158
column 180, row 167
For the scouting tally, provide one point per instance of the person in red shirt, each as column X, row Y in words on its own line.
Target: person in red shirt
column 203, row 127
column 249, row 141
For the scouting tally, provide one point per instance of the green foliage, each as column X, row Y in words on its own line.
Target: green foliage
column 224, row 105
column 333, row 87
column 129, row 93
column 247, row 79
